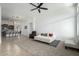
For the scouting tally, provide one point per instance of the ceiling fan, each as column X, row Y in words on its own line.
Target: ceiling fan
column 38, row 7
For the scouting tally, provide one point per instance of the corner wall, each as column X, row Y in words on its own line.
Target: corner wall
column 0, row 24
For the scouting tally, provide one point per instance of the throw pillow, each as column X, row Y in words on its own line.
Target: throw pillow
column 50, row 34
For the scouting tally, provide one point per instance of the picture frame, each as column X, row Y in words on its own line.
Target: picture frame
column 25, row 27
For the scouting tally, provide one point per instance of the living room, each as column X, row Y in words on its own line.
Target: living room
column 58, row 19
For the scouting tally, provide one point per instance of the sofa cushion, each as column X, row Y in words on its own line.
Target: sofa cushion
column 43, row 34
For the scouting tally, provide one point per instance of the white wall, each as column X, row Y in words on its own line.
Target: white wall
column 25, row 31
column 63, row 28
column 60, row 22
column 62, row 25
column 78, row 26
column 0, row 24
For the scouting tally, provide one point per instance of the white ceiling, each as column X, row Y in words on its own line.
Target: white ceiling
column 23, row 10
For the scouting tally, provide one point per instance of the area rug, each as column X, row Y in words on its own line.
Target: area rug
column 55, row 43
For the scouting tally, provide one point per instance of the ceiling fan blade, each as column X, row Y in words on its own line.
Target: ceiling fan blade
column 39, row 5
column 33, row 4
column 43, row 8
column 39, row 11
column 33, row 9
